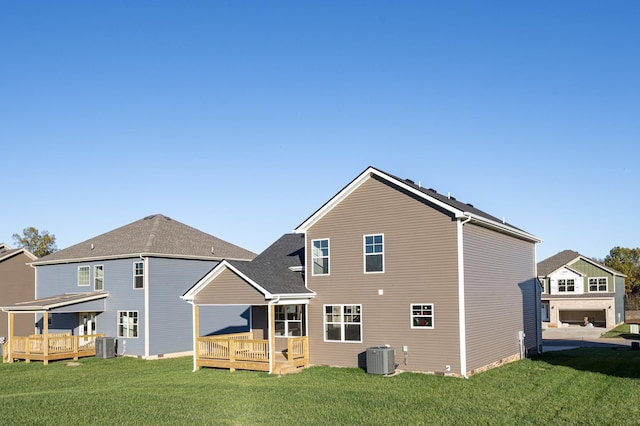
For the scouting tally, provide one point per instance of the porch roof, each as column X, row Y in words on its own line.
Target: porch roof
column 53, row 302
column 276, row 272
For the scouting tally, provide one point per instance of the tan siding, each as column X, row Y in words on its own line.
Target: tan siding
column 17, row 284
column 420, row 267
column 499, row 295
column 229, row 288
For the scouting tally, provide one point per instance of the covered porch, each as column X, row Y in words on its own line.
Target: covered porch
column 274, row 349
column 55, row 344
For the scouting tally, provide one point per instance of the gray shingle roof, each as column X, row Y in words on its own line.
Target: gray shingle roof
column 270, row 269
column 556, row 261
column 152, row 235
column 565, row 257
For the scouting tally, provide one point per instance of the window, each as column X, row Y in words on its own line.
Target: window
column 566, row 286
column 288, row 320
column 83, row 276
column 127, row 323
column 320, row 257
column 422, row 316
column 373, row 253
column 138, row 274
column 342, row 323
column 598, row 284
column 98, row 278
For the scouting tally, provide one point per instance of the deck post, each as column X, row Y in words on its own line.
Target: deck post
column 232, row 353
column 45, row 336
column 272, row 337
column 10, row 342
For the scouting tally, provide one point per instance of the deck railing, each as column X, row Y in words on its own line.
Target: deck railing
column 59, row 346
column 241, row 351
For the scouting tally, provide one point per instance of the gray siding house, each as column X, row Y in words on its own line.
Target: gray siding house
column 386, row 262
column 127, row 284
column 578, row 291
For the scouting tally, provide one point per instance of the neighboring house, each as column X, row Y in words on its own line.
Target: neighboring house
column 386, row 262
column 17, row 282
column 127, row 284
column 578, row 289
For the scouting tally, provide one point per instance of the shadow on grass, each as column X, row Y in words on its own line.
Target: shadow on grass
column 612, row 361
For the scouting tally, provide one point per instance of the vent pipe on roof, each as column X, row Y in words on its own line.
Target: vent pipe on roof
column 91, row 246
column 211, row 249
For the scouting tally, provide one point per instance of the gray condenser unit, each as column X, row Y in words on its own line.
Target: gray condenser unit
column 381, row 360
column 105, row 347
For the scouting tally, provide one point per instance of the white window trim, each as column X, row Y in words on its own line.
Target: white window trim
column 95, row 276
column 133, row 284
column 118, row 324
column 364, row 252
column 288, row 321
column 422, row 327
column 598, row 284
column 566, row 284
column 328, row 257
column 88, row 268
column 342, row 323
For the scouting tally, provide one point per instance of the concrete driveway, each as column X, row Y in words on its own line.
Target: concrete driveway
column 561, row 338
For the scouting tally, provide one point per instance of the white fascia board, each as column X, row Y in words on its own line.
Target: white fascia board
column 294, row 301
column 355, row 184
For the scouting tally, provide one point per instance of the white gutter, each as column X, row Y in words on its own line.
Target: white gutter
column 461, row 305
column 146, row 306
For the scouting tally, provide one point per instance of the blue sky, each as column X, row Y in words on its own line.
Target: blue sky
column 241, row 118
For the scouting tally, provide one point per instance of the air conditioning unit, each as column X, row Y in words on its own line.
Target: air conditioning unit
column 381, row 360
column 105, row 347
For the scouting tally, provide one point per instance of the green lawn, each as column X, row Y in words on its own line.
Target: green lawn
column 580, row 386
column 623, row 331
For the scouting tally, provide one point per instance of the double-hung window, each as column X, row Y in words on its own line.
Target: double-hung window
column 288, row 320
column 598, row 285
column 84, row 276
column 342, row 323
column 138, row 275
column 98, row 278
column 566, row 286
column 320, row 257
column 127, row 323
column 374, row 253
column 422, row 315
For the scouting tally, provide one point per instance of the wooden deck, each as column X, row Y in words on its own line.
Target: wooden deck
column 240, row 351
column 59, row 346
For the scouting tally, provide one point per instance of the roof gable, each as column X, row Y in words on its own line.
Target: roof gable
column 155, row 235
column 270, row 272
column 458, row 209
column 7, row 252
column 568, row 258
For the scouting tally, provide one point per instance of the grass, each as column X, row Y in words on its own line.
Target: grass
column 580, row 386
column 622, row 331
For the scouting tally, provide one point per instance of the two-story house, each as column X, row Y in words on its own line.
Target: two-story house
column 17, row 282
column 578, row 290
column 388, row 262
column 127, row 284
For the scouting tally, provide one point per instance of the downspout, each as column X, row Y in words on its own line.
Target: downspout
column 146, row 305
column 461, row 305
column 538, row 300
column 271, row 331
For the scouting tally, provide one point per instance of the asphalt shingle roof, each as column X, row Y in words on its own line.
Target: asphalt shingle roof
column 565, row 257
column 271, row 268
column 152, row 235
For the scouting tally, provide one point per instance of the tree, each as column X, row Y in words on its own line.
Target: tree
column 38, row 243
column 627, row 261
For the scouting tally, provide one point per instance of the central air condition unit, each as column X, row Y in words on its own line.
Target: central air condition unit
column 381, row 360
column 105, row 347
